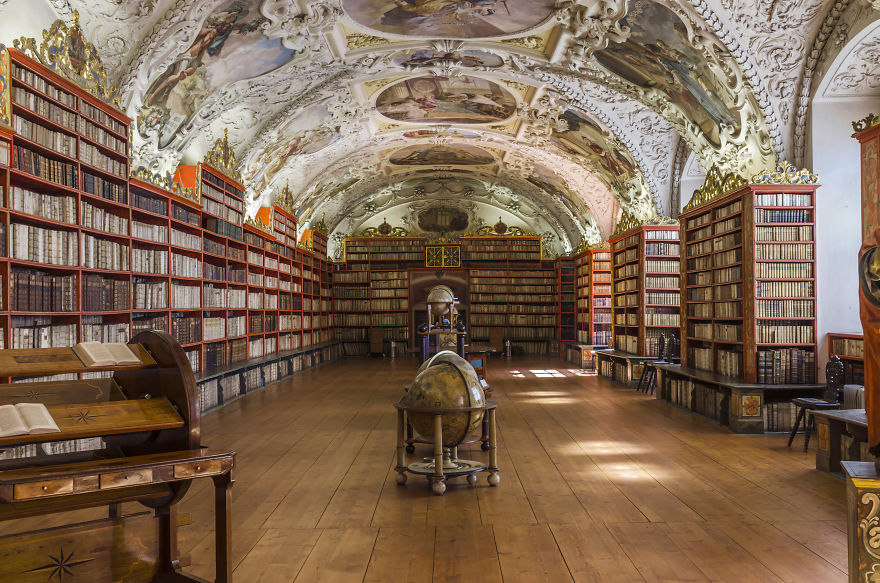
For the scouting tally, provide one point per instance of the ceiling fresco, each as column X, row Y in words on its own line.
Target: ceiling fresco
column 568, row 112
column 464, row 19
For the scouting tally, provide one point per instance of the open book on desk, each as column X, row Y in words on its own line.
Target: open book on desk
column 105, row 353
column 26, row 419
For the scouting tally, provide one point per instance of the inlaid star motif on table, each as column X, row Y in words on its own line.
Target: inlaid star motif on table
column 84, row 416
column 59, row 566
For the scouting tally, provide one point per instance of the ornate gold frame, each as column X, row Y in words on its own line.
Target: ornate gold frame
column 222, row 158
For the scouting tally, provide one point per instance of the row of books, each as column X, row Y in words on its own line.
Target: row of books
column 664, row 298
column 186, row 329
column 785, row 309
column 662, row 234
column 662, row 319
column 58, row 207
column 784, row 251
column 149, row 231
column 100, row 253
column 786, row 366
column 782, row 333
column 784, row 270
column 93, row 156
column 783, row 199
column 100, row 219
column 787, row 234
column 98, row 134
column 783, row 216
column 44, row 108
column 64, row 144
column 104, row 188
column 40, row 332
column 671, row 249
column 101, row 293
column 185, row 297
column 854, row 347
column 784, row 289
column 38, row 291
column 153, row 261
column 52, row 246
column 149, row 294
column 662, row 266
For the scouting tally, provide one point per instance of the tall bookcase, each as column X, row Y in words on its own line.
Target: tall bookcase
column 645, row 293
column 850, row 348
column 749, row 281
column 566, row 303
column 65, row 220
column 593, row 291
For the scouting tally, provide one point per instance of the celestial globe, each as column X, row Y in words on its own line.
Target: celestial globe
column 445, row 381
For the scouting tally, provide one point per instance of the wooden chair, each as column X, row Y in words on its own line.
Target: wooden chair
column 648, row 380
column 144, row 445
column 835, row 376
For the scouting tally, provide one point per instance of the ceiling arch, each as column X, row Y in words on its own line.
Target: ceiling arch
column 637, row 79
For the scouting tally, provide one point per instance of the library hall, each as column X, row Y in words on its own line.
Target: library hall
column 434, row 291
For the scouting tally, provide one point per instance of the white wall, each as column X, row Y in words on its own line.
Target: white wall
column 20, row 18
column 836, row 158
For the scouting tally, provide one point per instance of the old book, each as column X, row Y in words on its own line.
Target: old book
column 105, row 354
column 25, row 419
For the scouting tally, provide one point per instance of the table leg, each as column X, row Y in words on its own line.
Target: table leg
column 494, row 478
column 401, row 446
column 223, row 527
column 438, row 485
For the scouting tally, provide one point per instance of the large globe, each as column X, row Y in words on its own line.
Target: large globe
column 446, row 380
column 440, row 298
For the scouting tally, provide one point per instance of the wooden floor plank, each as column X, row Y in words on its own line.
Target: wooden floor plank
column 528, row 553
column 593, row 555
column 339, row 556
column 598, row 483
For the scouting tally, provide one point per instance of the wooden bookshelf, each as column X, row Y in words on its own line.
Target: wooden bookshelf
column 748, row 285
column 850, row 348
column 645, row 287
column 593, row 293
column 566, row 301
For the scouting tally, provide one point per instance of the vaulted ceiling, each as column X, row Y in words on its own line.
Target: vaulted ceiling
column 553, row 114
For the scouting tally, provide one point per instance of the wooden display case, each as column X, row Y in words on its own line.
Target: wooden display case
column 593, row 292
column 566, row 303
column 748, row 284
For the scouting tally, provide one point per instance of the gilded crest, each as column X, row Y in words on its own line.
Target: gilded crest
column 65, row 51
column 716, row 185
column 222, row 157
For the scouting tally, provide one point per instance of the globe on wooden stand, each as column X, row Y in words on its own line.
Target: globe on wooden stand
column 445, row 404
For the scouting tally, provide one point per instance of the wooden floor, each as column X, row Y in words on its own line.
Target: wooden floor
column 598, row 483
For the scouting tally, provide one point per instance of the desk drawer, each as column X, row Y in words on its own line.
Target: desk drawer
column 126, row 478
column 31, row 490
column 196, row 469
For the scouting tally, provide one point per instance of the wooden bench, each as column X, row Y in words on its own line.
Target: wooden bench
column 623, row 367
column 729, row 401
column 143, row 422
column 841, row 434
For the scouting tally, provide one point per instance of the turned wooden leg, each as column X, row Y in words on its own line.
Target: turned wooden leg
column 401, row 446
column 437, row 485
column 494, row 478
column 485, row 437
column 223, row 527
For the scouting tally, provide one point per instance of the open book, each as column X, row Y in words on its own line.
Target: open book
column 105, row 354
column 26, row 418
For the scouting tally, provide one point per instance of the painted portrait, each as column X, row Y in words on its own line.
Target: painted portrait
column 659, row 56
column 460, row 100
column 442, row 219
column 229, row 47
column 585, row 139
column 470, row 59
column 462, row 19
column 429, row 155
column 300, row 135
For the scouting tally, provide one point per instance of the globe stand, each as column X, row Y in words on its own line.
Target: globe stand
column 445, row 463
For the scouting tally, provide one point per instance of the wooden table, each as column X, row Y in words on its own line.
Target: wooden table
column 833, row 427
column 735, row 403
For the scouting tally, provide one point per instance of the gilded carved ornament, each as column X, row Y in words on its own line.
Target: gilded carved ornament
column 321, row 226
column 285, row 199
column 868, row 122
column 65, row 51
column 260, row 225
column 357, row 40
column 531, row 42
column 5, row 102
column 222, row 158
column 165, row 182
column 627, row 222
column 716, row 185
column 786, row 173
column 384, row 230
